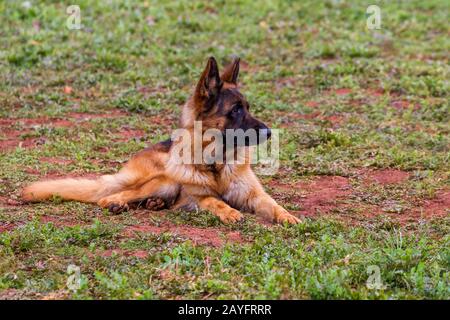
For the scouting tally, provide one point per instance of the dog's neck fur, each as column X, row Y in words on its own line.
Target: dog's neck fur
column 187, row 119
column 188, row 114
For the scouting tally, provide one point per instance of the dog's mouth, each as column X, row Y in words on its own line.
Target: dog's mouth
column 264, row 135
column 247, row 138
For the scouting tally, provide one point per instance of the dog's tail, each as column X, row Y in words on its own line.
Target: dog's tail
column 81, row 189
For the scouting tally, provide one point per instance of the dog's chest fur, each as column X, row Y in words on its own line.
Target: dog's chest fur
column 233, row 184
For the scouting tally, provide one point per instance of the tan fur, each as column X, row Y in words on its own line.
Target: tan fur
column 220, row 188
column 85, row 190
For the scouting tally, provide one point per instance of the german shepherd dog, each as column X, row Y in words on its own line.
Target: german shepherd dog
column 154, row 179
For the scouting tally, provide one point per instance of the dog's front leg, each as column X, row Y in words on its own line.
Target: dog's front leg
column 262, row 204
column 225, row 213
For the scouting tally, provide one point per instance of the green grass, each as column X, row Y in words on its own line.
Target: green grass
column 319, row 259
column 348, row 99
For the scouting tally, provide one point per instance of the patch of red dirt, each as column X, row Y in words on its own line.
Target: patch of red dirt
column 334, row 119
column 28, row 122
column 438, row 206
column 400, row 104
column 127, row 134
column 32, row 171
column 67, row 89
column 343, row 91
column 317, row 196
column 304, row 116
column 56, row 123
column 334, row 195
column 199, row 236
column 54, row 160
column 8, row 201
column 73, row 117
column 7, row 227
column 405, row 104
column 323, row 194
column 162, row 120
column 61, row 123
column 88, row 116
column 316, row 115
column 12, row 137
column 312, row 104
column 375, row 92
column 13, row 142
column 8, row 144
column 387, row 176
column 60, row 221
column 151, row 90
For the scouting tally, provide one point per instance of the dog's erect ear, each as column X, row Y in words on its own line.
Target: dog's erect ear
column 231, row 72
column 209, row 84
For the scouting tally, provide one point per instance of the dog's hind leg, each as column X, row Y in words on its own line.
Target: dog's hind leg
column 161, row 188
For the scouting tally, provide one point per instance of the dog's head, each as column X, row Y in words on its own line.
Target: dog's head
column 218, row 104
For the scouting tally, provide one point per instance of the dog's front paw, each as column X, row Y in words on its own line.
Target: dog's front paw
column 230, row 216
column 282, row 216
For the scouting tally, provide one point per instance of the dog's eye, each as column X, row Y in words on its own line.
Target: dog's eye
column 236, row 109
